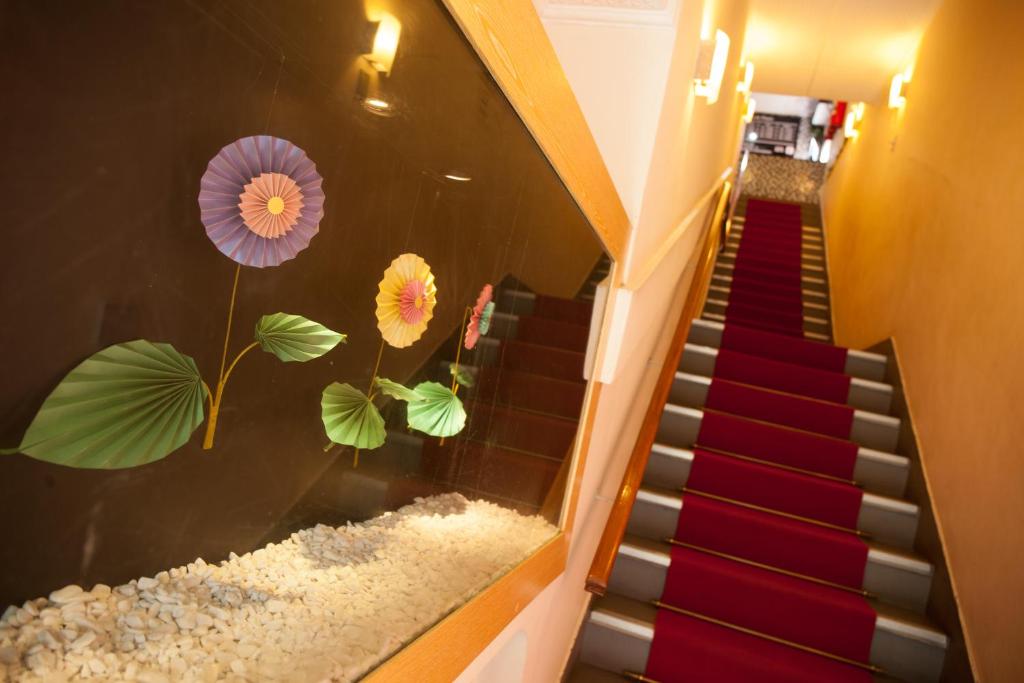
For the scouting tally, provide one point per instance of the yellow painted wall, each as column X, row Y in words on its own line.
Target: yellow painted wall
column 925, row 227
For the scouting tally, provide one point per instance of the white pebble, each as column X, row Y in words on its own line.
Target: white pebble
column 325, row 604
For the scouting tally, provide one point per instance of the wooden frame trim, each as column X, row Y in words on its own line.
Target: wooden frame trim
column 615, row 528
column 512, row 42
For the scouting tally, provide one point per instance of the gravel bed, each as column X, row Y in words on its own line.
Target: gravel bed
column 326, row 604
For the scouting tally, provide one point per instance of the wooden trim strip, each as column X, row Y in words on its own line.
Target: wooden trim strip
column 513, row 44
column 615, row 528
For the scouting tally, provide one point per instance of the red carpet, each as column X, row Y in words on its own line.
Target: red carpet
column 800, row 611
column 830, row 419
column 775, row 488
column 775, row 419
column 783, row 445
column 687, row 650
column 785, row 349
column 788, row 377
column 795, row 546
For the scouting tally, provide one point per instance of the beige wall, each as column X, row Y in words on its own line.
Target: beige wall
column 926, row 245
column 692, row 144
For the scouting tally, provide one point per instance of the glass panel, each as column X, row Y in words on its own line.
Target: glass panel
column 131, row 213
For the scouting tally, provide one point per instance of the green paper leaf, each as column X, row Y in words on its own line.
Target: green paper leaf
column 350, row 418
column 396, row 390
column 294, row 338
column 484, row 326
column 127, row 405
column 461, row 375
column 439, row 413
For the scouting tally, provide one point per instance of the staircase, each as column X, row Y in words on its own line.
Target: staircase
column 524, row 407
column 770, row 540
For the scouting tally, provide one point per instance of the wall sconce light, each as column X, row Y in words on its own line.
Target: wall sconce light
column 385, row 44
column 852, row 121
column 898, row 89
column 711, row 63
column 747, row 78
column 748, row 115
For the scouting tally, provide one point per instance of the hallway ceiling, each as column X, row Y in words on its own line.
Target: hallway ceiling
column 834, row 49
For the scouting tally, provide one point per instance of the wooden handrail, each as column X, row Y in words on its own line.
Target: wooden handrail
column 615, row 528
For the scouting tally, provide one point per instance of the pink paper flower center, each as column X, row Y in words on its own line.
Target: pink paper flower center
column 270, row 204
column 410, row 301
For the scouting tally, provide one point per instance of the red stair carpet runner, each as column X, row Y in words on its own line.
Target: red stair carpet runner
column 766, row 536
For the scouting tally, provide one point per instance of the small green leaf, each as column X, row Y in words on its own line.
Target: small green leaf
column 350, row 418
column 484, row 326
column 130, row 404
column 438, row 413
column 396, row 390
column 461, row 375
column 294, row 338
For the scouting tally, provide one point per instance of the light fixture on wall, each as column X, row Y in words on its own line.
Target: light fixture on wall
column 714, row 54
column 385, row 44
column 746, row 77
column 748, row 115
column 899, row 88
column 851, row 124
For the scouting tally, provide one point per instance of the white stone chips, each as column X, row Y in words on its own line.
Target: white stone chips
column 325, row 604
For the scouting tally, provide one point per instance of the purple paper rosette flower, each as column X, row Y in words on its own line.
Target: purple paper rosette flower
column 261, row 200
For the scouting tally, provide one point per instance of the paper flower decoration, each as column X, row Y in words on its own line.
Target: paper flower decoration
column 473, row 330
column 261, row 201
column 405, row 300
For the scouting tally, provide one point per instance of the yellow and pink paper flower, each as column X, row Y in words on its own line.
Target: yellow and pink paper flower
column 479, row 318
column 405, row 300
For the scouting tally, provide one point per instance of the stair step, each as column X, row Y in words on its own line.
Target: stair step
column 877, row 471
column 862, row 364
column 811, row 282
column 731, row 251
column 812, row 321
column 809, row 305
column 895, row 576
column 542, row 360
column 871, row 430
column 808, row 268
column 566, row 310
column 863, row 394
column 884, row 519
column 547, row 332
column 724, row 280
column 814, row 336
column 619, row 632
column 531, row 392
column 547, row 435
column 488, row 469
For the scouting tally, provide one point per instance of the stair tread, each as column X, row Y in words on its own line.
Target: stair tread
column 637, row 618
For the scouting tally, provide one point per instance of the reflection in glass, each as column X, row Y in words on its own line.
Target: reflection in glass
column 120, row 107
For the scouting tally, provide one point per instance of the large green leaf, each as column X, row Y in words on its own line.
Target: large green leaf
column 127, row 405
column 439, row 413
column 396, row 390
column 294, row 338
column 350, row 418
